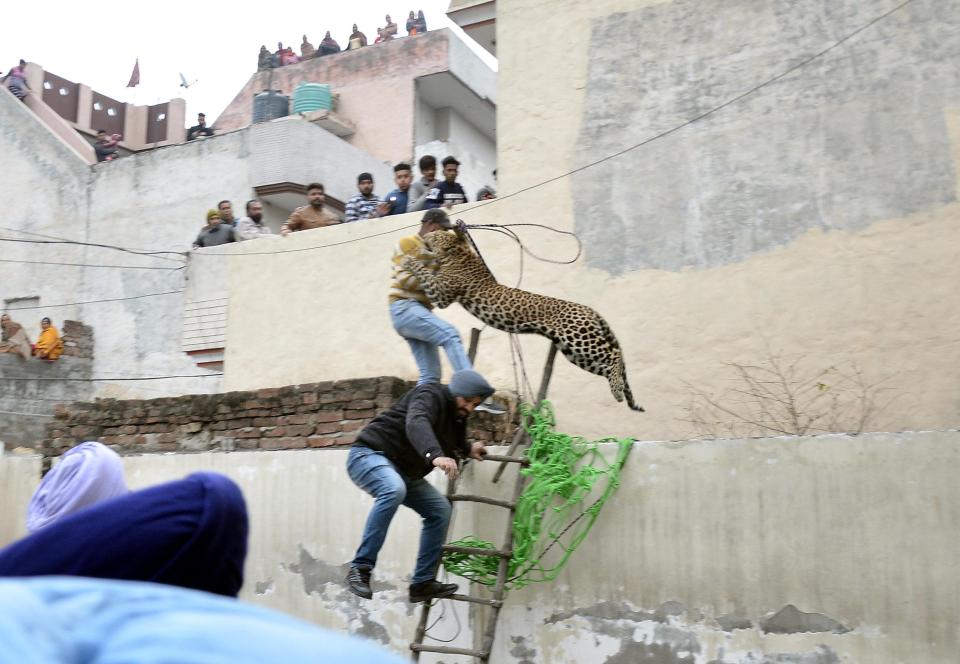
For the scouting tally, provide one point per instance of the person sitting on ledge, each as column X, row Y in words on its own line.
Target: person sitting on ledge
column 49, row 345
column 421, row 23
column 199, row 129
column 329, row 45
column 412, row 24
column 357, row 39
column 14, row 339
column 307, row 50
column 265, row 59
column 388, row 32
column 106, row 146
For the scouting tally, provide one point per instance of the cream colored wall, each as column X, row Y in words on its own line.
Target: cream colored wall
column 19, row 477
column 883, row 296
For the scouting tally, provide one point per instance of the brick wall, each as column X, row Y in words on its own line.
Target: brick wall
column 77, row 339
column 293, row 417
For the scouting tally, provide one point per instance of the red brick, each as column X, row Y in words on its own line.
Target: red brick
column 283, row 443
column 346, row 439
column 309, row 398
column 268, row 393
column 359, row 414
column 168, row 438
column 274, row 432
column 249, row 432
column 327, row 416
column 353, row 425
column 362, row 403
column 248, row 444
column 322, row 441
column 327, row 427
column 300, row 429
column 297, row 419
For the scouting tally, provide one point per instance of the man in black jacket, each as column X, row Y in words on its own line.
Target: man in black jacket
column 425, row 429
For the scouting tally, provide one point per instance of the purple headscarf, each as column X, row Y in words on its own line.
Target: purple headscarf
column 85, row 475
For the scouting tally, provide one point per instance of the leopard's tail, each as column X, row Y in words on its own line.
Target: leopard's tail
column 618, row 372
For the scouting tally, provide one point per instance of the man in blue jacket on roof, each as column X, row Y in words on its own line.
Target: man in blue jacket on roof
column 425, row 429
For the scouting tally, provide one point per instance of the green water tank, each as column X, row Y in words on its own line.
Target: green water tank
column 312, row 97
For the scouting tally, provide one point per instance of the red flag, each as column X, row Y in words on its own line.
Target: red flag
column 135, row 76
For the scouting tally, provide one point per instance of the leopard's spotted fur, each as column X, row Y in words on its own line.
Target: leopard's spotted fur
column 579, row 332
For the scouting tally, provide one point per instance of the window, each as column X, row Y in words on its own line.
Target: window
column 97, row 106
column 111, row 112
column 161, row 117
column 47, row 85
column 63, row 92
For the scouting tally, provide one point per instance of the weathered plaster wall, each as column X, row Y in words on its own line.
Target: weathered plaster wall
column 823, row 550
column 29, row 391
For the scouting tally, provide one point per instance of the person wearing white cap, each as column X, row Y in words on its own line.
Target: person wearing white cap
column 423, row 430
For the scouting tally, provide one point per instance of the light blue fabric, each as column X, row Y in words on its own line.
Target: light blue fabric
column 424, row 332
column 69, row 620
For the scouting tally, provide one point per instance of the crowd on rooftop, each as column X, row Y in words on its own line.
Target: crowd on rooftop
column 409, row 195
column 284, row 55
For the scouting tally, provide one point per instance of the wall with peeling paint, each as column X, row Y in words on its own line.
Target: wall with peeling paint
column 821, row 550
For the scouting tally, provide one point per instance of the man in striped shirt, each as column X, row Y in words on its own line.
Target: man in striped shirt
column 364, row 204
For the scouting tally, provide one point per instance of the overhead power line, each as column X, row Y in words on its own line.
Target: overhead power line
column 112, row 299
column 110, row 380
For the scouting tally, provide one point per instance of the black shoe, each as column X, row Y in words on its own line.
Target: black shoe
column 358, row 581
column 492, row 407
column 432, row 589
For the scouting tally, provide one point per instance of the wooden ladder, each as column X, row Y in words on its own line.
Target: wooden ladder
column 505, row 553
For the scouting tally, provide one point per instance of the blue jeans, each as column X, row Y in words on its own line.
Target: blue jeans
column 373, row 472
column 424, row 332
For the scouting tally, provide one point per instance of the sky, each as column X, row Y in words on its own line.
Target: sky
column 213, row 43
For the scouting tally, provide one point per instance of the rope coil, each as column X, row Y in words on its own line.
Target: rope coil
column 564, row 472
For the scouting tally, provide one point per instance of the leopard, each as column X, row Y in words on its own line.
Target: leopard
column 456, row 273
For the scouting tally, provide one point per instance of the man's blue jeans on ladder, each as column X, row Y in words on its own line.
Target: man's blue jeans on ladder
column 373, row 472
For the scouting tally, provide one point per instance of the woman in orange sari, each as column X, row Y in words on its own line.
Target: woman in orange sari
column 49, row 346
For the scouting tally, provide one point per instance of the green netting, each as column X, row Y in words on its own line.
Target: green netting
column 553, row 514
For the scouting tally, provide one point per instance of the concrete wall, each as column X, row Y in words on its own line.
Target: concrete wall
column 776, row 225
column 29, row 391
column 697, row 559
column 292, row 150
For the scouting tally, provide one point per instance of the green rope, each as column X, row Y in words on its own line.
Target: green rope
column 551, row 512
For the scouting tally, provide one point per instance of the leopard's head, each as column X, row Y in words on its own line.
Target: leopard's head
column 444, row 242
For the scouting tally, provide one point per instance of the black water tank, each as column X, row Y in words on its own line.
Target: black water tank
column 269, row 105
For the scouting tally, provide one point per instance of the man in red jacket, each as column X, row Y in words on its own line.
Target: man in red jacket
column 425, row 429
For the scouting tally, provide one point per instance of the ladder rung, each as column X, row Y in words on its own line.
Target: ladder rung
column 476, row 550
column 447, row 650
column 507, row 459
column 476, row 600
column 483, row 499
